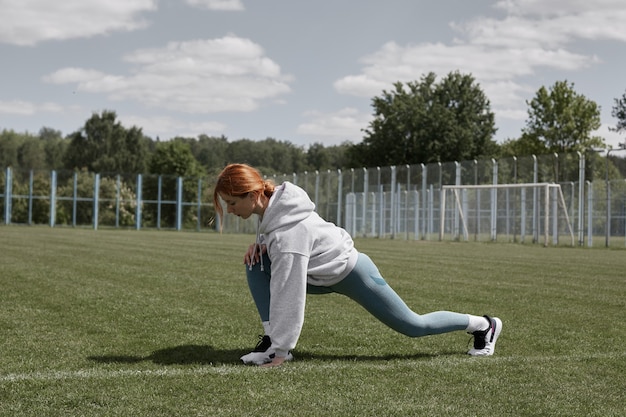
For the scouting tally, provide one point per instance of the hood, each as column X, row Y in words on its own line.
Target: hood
column 288, row 206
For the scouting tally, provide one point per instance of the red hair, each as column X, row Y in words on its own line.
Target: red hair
column 239, row 180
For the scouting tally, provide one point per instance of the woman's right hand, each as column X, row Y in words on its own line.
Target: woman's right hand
column 253, row 255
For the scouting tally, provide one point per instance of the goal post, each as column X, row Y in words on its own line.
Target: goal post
column 515, row 210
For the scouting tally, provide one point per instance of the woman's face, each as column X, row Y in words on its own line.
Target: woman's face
column 240, row 206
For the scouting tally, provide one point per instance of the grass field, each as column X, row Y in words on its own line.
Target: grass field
column 147, row 323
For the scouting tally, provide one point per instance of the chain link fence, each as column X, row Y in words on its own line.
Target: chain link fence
column 399, row 202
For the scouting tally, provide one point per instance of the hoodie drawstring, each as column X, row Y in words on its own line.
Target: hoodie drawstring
column 257, row 245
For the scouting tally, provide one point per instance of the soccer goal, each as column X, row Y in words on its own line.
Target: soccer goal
column 514, row 212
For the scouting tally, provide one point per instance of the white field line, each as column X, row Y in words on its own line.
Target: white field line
column 230, row 370
column 119, row 373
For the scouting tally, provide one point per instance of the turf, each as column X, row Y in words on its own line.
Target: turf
column 148, row 323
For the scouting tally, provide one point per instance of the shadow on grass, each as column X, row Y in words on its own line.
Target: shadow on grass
column 179, row 355
column 207, row 355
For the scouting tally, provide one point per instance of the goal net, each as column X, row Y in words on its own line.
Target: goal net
column 514, row 212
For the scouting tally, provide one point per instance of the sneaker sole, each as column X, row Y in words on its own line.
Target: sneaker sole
column 260, row 358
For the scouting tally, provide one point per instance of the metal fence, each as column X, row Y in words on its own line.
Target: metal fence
column 400, row 202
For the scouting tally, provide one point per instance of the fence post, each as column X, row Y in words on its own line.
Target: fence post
column 179, row 202
column 365, row 195
column 327, row 193
column 535, row 202
column 546, row 220
column 555, row 216
column 96, row 200
column 339, row 196
column 8, row 190
column 199, row 210
column 477, row 212
column 424, row 199
column 514, row 209
column 159, row 195
column 30, row 198
column 589, row 214
column 581, row 198
column 457, row 181
column 406, row 201
column 53, row 197
column 494, row 202
column 392, row 203
column 352, row 180
column 138, row 202
column 306, row 181
column 74, row 197
column 317, row 189
column 381, row 206
column 118, row 191
column 523, row 216
column 416, row 216
column 431, row 212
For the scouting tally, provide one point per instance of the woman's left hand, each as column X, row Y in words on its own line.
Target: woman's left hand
column 253, row 254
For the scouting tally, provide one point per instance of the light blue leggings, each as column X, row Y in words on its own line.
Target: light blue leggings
column 367, row 287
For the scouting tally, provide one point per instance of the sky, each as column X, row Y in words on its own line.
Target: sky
column 298, row 71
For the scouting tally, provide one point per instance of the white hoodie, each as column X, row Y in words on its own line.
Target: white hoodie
column 302, row 248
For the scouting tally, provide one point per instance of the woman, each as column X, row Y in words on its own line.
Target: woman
column 297, row 252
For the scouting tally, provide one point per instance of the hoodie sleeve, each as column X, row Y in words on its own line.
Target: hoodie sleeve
column 288, row 297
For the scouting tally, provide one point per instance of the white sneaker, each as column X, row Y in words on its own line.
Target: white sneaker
column 260, row 358
column 485, row 340
column 262, row 353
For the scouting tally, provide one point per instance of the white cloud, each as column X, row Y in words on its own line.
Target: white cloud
column 26, row 108
column 506, row 95
column 27, row 22
column 394, row 63
column 227, row 5
column 166, row 127
column 344, row 125
column 549, row 33
column 501, row 54
column 557, row 7
column 72, row 74
column 202, row 76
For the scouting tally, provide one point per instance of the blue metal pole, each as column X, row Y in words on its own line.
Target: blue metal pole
column 74, row 198
column 96, row 200
column 30, row 198
column 199, row 210
column 53, row 197
column 138, row 201
column 7, row 195
column 117, row 201
column 179, row 202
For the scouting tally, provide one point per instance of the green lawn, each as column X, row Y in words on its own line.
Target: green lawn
column 147, row 323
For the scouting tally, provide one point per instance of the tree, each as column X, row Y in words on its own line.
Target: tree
column 525, row 145
column 425, row 121
column 31, row 154
column 562, row 120
column 619, row 112
column 54, row 147
column 9, row 145
column 174, row 158
column 319, row 157
column 171, row 160
column 104, row 145
column 210, row 152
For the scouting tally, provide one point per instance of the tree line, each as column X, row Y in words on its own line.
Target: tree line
column 422, row 121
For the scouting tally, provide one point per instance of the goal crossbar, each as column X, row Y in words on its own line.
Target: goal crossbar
column 544, row 185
